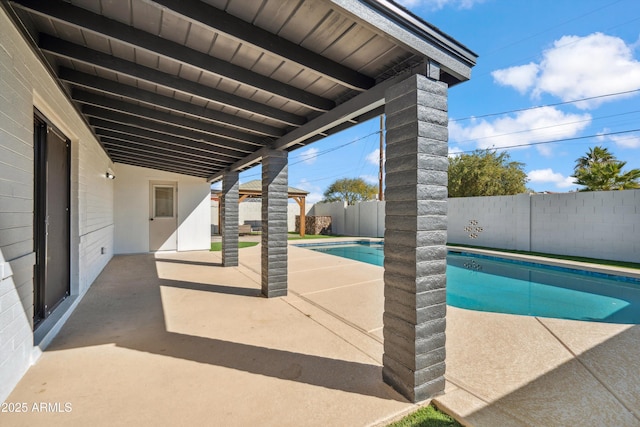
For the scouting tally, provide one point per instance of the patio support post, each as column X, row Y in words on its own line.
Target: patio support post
column 275, row 186
column 229, row 218
column 415, row 237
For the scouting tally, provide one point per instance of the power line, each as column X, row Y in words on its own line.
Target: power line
column 321, row 153
column 529, row 144
column 546, row 105
column 513, row 146
column 338, row 147
column 590, row 119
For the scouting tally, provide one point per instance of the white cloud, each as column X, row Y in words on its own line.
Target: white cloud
column 374, row 157
column 629, row 140
column 439, row 4
column 454, row 151
column 548, row 176
column 521, row 77
column 315, row 192
column 626, row 141
column 635, row 45
column 309, row 156
column 525, row 127
column 600, row 135
column 371, row 179
column 578, row 67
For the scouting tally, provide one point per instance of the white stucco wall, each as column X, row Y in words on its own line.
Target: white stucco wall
column 24, row 84
column 132, row 209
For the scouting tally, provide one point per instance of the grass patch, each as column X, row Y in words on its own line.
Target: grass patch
column 217, row 246
column 554, row 256
column 428, row 416
column 296, row 236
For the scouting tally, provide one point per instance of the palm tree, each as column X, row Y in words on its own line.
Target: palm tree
column 599, row 170
column 595, row 155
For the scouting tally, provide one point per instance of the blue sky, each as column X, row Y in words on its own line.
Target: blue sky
column 531, row 54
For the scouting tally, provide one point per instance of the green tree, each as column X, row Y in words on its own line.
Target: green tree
column 485, row 173
column 351, row 190
column 599, row 170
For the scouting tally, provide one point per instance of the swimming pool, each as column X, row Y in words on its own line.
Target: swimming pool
column 487, row 283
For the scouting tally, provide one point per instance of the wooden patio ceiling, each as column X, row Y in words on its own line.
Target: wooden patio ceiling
column 203, row 86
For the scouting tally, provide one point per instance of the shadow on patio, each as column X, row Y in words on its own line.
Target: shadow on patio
column 178, row 339
column 211, row 343
column 525, row 371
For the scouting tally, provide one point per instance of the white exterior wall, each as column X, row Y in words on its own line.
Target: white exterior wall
column 132, row 201
column 251, row 211
column 24, row 84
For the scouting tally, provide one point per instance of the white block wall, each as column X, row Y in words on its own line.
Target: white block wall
column 499, row 222
column 365, row 219
column 251, row 211
column 601, row 224
column 24, row 84
column 132, row 209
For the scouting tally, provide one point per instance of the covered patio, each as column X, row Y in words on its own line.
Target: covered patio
column 211, row 88
column 206, row 350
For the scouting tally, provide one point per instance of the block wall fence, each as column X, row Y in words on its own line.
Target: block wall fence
column 602, row 224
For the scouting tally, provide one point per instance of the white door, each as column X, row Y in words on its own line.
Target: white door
column 163, row 218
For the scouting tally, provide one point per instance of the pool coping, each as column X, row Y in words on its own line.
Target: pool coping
column 507, row 369
column 571, row 264
column 562, row 263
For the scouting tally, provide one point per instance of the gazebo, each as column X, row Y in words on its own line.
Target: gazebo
column 253, row 190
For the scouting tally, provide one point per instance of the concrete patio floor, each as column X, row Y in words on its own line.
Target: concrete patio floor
column 176, row 339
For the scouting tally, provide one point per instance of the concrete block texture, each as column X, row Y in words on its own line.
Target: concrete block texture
column 415, row 237
column 275, row 181
column 229, row 218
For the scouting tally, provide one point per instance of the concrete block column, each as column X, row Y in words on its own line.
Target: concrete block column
column 229, row 218
column 415, row 237
column 275, row 186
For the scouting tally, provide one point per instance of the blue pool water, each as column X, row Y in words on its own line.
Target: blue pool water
column 486, row 283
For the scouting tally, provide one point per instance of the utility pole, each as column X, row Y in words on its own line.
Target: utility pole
column 381, row 171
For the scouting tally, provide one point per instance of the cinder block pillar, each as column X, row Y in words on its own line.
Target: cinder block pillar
column 415, row 237
column 229, row 218
column 275, row 186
